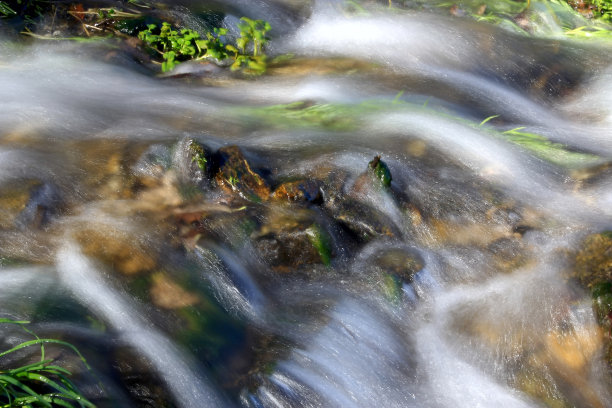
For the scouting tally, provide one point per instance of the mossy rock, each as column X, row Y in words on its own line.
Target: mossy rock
column 289, row 240
column 235, row 176
column 380, row 171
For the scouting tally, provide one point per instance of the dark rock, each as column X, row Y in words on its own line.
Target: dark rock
column 141, row 381
column 28, row 204
column 403, row 263
column 45, row 202
column 236, row 177
column 308, row 191
column 362, row 220
column 290, row 240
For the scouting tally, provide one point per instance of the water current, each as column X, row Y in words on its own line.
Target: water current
column 447, row 289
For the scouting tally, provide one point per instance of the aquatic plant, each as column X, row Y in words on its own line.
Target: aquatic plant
column 41, row 383
column 555, row 153
column 177, row 46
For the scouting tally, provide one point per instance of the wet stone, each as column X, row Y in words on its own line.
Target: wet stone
column 14, row 198
column 380, row 171
column 28, row 203
column 152, row 164
column 362, row 220
column 509, row 253
column 593, row 264
column 235, row 176
column 192, row 161
column 403, row 263
column 306, row 191
column 593, row 269
column 138, row 376
column 290, row 240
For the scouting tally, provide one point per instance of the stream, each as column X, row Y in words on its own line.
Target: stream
column 286, row 271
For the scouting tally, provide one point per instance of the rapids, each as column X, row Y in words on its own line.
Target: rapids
column 201, row 317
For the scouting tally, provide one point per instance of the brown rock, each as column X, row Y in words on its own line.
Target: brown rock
column 298, row 191
column 235, row 176
column 290, row 240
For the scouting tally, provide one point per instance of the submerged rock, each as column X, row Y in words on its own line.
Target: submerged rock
column 292, row 239
column 362, row 220
column 235, row 176
column 306, row 191
column 14, row 198
column 508, row 253
column 140, row 379
column 593, row 264
column 167, row 294
column 403, row 263
column 28, row 203
column 116, row 248
column 192, row 161
column 380, row 171
column 593, row 269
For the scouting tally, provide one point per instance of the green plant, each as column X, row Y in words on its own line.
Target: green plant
column 252, row 34
column 175, row 47
column 27, row 10
column 604, row 7
column 6, row 10
column 41, row 383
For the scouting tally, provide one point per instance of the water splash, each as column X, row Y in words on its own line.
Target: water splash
column 187, row 386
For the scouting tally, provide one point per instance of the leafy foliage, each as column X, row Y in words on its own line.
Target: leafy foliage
column 604, row 7
column 251, row 31
column 177, row 46
column 27, row 10
column 41, row 383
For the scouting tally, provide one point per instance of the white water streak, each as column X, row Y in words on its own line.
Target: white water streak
column 80, row 275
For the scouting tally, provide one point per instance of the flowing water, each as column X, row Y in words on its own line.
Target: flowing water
column 174, row 291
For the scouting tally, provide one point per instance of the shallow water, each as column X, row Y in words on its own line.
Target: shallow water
column 101, row 251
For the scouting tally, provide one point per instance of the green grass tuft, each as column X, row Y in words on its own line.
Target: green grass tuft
column 41, row 383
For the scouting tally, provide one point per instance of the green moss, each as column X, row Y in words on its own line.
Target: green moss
column 38, row 383
column 321, row 241
column 392, row 288
column 381, row 171
column 198, row 155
